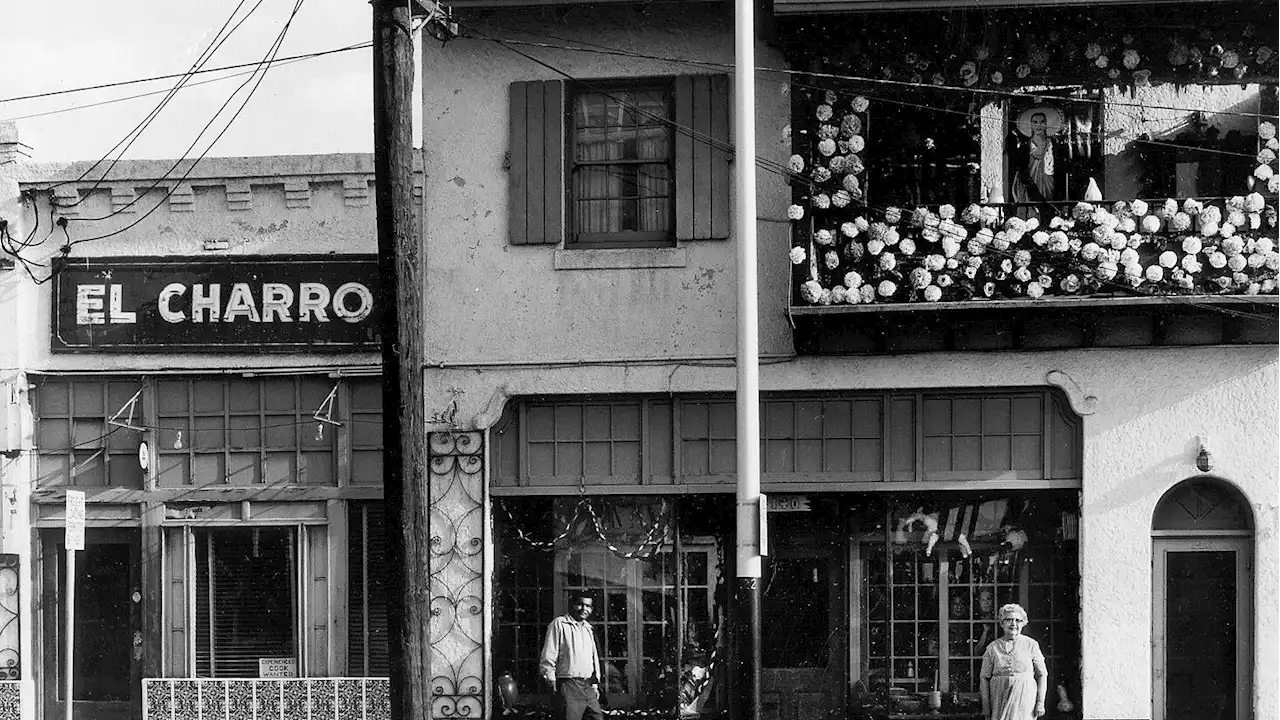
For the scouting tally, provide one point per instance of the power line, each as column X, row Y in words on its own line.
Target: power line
column 239, row 66
column 760, row 70
column 1068, row 264
column 260, row 74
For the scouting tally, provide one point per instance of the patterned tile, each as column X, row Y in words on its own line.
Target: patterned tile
column 159, row 703
column 295, row 699
column 239, row 700
column 268, row 697
column 350, row 698
column 377, row 704
column 186, row 700
column 322, row 699
column 10, row 700
column 213, row 699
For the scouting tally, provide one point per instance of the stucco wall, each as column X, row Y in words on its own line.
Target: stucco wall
column 1163, row 111
column 307, row 205
column 529, row 309
column 1139, row 441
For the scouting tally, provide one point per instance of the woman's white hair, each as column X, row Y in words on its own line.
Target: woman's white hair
column 1012, row 609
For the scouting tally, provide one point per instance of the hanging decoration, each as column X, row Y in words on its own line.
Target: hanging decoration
column 857, row 254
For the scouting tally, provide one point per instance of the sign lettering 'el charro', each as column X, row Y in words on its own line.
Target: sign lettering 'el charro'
column 173, row 304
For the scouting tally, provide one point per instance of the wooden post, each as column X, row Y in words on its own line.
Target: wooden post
column 399, row 260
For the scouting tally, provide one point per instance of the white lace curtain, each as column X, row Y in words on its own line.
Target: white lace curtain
column 622, row 196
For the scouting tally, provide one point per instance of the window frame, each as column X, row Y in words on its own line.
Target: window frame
column 203, row 584
column 627, row 238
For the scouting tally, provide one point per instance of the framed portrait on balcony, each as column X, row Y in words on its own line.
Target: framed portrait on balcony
column 1052, row 149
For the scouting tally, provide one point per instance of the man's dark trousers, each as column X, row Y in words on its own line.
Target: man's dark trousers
column 576, row 699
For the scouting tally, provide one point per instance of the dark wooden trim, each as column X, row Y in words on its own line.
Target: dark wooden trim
column 1067, row 302
column 261, row 493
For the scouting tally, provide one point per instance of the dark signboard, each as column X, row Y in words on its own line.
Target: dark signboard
column 231, row 304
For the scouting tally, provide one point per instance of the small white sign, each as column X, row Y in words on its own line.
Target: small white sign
column 788, row 503
column 75, row 520
column 277, row 667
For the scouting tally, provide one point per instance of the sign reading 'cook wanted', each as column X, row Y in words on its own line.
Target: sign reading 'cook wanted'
column 230, row 304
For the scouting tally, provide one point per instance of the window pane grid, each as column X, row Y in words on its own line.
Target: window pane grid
column 621, row 176
column 244, row 432
column 76, row 444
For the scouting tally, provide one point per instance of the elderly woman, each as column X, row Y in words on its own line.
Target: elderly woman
column 1013, row 682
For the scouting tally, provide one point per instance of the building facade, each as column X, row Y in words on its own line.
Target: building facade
column 1054, row 423
column 195, row 349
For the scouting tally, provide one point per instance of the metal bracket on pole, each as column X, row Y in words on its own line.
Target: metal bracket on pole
column 437, row 19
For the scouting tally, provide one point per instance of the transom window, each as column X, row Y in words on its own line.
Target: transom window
column 621, row 171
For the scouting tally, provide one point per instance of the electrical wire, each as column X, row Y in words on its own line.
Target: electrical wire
column 762, row 71
column 1065, row 263
column 154, row 78
column 256, row 79
column 132, row 136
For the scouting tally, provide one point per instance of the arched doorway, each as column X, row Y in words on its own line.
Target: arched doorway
column 1202, row 532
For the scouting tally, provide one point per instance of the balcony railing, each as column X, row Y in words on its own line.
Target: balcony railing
column 1208, row 263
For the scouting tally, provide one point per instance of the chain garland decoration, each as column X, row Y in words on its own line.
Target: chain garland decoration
column 655, row 536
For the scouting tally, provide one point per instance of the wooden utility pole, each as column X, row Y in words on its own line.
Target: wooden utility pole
column 403, row 426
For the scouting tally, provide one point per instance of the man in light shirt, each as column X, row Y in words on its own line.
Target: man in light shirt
column 570, row 663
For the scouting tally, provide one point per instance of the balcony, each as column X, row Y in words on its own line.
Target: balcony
column 996, row 278
column 819, row 7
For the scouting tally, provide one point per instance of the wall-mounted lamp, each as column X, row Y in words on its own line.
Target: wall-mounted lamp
column 1204, row 460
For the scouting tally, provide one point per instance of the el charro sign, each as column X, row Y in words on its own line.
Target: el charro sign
column 229, row 304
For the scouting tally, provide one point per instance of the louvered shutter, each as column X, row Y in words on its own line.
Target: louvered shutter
column 702, row 157
column 368, row 652
column 536, row 174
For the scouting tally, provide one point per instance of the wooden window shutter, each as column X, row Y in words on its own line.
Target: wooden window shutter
column 536, row 175
column 176, row 611
column 702, row 157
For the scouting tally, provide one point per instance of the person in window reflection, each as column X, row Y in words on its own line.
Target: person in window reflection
column 1035, row 158
column 570, row 663
column 1013, row 681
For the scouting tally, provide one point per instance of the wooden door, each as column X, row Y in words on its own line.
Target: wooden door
column 108, row 627
column 1201, row 633
column 804, row 634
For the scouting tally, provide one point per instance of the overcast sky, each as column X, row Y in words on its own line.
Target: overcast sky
column 320, row 105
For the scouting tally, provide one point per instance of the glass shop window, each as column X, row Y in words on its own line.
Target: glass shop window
column 246, row 600
column 77, row 445
column 932, row 584
column 244, row 431
column 653, row 568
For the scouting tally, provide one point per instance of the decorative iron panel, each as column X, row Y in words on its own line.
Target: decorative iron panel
column 10, row 650
column 456, row 471
column 262, row 699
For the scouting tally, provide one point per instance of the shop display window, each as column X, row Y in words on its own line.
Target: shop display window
column 246, row 600
column 932, row 584
column 653, row 567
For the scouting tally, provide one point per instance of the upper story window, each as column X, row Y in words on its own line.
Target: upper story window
column 619, row 163
column 622, row 171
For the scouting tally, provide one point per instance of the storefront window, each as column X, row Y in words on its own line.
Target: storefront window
column 932, row 585
column 653, row 568
column 246, row 601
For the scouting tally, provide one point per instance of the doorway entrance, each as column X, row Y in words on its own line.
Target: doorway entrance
column 803, row 623
column 108, row 626
column 1202, row 603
